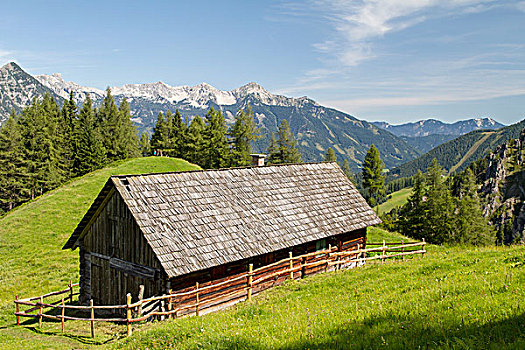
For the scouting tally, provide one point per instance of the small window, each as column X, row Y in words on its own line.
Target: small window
column 320, row 245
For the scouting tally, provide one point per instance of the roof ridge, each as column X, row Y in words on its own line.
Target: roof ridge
column 221, row 169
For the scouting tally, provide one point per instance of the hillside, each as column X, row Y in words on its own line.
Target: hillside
column 426, row 143
column 457, row 154
column 32, row 235
column 468, row 298
column 316, row 127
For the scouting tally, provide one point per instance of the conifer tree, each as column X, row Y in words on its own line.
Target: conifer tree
column 284, row 150
column 90, row 153
column 347, row 171
column 216, row 152
column 109, row 126
column 330, row 155
column 144, row 145
column 193, row 150
column 412, row 218
column 159, row 138
column 178, row 134
column 66, row 143
column 243, row 133
column 127, row 141
column 38, row 135
column 470, row 225
column 439, row 207
column 13, row 166
column 373, row 177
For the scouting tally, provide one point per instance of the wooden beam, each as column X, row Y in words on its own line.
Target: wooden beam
column 130, row 268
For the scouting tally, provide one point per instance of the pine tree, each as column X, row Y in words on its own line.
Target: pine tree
column 330, row 155
column 347, row 171
column 144, row 145
column 13, row 166
column 178, row 134
column 470, row 225
column 193, row 149
column 284, row 150
column 37, row 130
column 243, row 133
column 159, row 138
column 109, row 127
column 216, row 152
column 373, row 177
column 412, row 219
column 439, row 207
column 90, row 153
column 66, row 144
column 127, row 141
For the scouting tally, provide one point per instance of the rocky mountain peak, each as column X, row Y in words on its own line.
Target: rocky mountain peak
column 11, row 67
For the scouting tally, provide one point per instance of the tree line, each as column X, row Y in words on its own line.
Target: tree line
column 443, row 210
column 210, row 143
column 46, row 145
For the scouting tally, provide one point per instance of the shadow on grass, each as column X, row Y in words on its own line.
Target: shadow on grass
column 400, row 333
column 79, row 338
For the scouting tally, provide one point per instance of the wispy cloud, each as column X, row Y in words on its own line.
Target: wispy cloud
column 358, row 24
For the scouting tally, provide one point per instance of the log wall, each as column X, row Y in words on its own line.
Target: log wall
column 115, row 258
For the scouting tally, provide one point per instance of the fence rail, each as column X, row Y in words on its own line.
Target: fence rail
column 213, row 295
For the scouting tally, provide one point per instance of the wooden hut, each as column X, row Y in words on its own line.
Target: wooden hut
column 166, row 231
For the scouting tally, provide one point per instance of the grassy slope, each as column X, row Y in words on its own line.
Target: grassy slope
column 398, row 199
column 453, row 298
column 31, row 237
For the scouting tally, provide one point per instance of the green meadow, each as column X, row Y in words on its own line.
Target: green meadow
column 457, row 297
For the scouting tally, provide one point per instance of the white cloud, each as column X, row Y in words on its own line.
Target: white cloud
column 358, row 24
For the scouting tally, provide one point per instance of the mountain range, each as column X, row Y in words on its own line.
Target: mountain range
column 425, row 135
column 316, row 127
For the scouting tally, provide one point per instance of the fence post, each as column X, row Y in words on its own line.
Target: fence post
column 358, row 254
column 63, row 314
column 303, row 268
column 328, row 257
column 197, row 299
column 141, row 296
column 424, row 250
column 291, row 265
column 384, row 251
column 17, row 311
column 92, row 318
column 70, row 291
column 250, row 281
column 170, row 315
column 128, row 314
column 403, row 249
column 40, row 317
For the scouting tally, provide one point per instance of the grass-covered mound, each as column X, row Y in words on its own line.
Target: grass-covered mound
column 464, row 298
column 31, row 237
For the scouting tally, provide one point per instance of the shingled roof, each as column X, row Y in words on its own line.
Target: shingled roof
column 200, row 219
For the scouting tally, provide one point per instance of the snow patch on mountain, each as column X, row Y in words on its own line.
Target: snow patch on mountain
column 62, row 88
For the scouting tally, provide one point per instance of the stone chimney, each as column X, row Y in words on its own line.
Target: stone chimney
column 258, row 159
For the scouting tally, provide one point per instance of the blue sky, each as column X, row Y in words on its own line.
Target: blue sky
column 393, row 60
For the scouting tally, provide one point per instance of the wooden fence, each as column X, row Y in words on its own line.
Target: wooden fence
column 210, row 296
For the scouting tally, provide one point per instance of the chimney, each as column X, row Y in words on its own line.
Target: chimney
column 258, row 159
